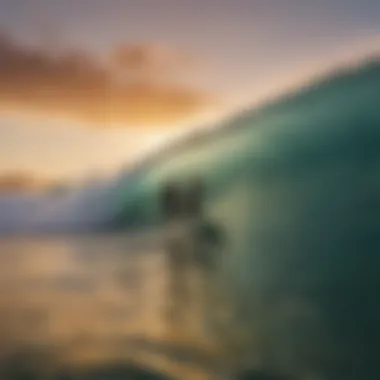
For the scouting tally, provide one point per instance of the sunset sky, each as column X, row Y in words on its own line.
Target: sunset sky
column 146, row 68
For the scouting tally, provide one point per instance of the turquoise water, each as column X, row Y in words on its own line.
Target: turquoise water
column 294, row 187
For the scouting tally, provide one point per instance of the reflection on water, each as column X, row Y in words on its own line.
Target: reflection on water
column 73, row 303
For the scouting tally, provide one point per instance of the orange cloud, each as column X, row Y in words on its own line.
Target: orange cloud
column 139, row 90
column 15, row 181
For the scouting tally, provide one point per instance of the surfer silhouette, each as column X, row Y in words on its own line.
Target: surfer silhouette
column 193, row 243
column 207, row 241
column 177, row 262
column 207, row 236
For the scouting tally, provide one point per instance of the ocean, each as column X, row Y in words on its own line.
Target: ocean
column 77, row 305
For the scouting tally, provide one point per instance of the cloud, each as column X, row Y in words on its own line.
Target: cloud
column 14, row 181
column 148, row 58
column 135, row 88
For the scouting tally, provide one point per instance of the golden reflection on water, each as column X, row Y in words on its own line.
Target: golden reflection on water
column 76, row 302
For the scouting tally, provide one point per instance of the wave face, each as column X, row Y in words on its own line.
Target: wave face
column 295, row 189
column 334, row 119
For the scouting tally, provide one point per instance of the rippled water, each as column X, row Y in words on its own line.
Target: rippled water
column 69, row 303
